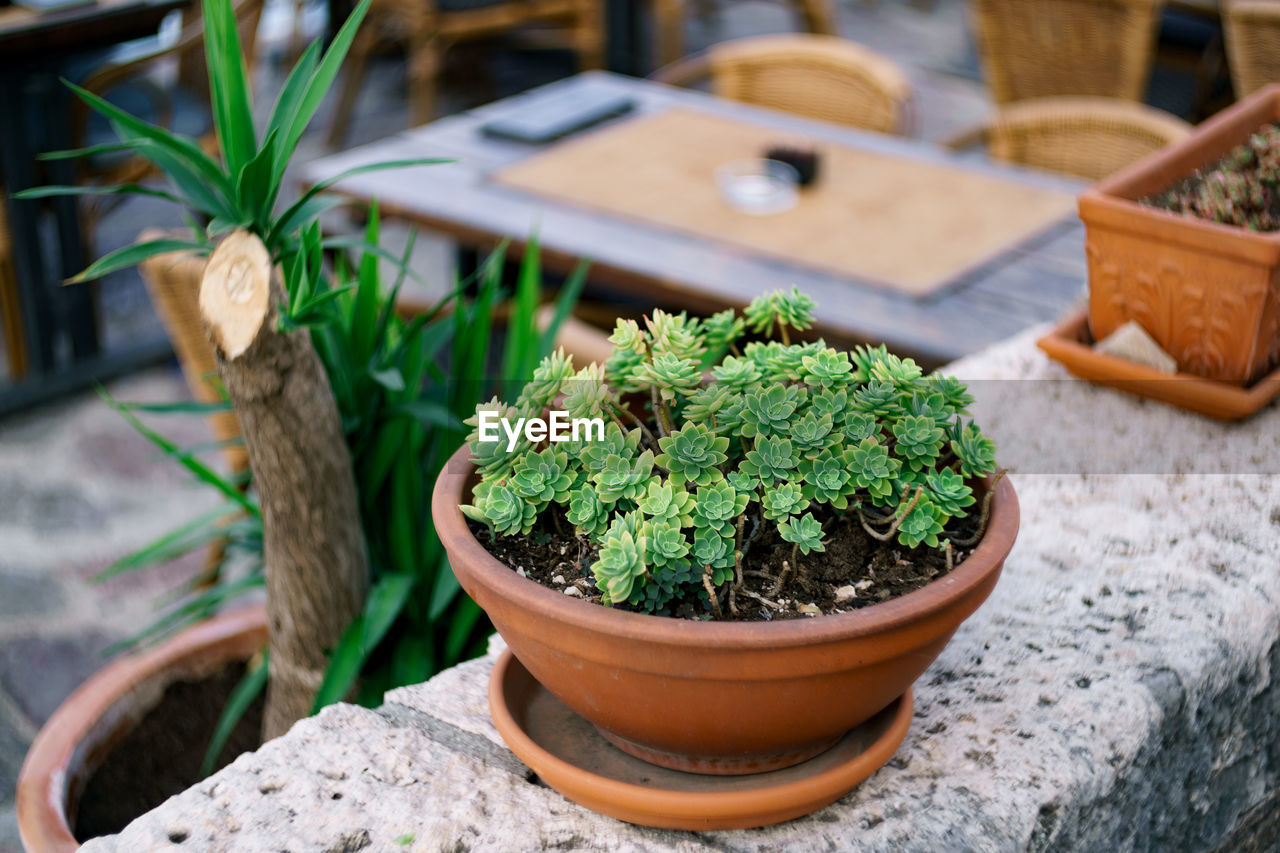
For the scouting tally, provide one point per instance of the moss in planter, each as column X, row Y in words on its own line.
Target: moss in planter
column 1241, row 189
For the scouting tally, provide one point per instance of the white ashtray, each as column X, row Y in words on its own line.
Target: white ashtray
column 759, row 187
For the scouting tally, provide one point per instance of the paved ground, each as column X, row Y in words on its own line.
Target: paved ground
column 78, row 488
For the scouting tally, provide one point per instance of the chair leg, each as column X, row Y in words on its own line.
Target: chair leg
column 357, row 61
column 588, row 35
column 819, row 16
column 425, row 57
column 669, row 26
column 11, row 309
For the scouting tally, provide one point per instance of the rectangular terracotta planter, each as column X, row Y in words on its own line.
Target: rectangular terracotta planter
column 1209, row 293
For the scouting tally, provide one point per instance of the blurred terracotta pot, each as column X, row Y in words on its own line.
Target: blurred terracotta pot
column 713, row 697
column 102, row 711
column 1208, row 293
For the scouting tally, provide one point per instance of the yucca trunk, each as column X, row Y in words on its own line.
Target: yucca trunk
column 317, row 572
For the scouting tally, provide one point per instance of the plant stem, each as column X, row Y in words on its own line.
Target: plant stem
column 782, row 578
column 737, row 551
column 897, row 520
column 631, row 416
column 760, row 598
column 661, row 413
column 711, row 592
column 986, row 513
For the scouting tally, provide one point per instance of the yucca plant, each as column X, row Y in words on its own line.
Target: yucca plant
column 241, row 186
column 401, row 386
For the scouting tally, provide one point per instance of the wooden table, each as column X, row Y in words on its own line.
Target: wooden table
column 1030, row 283
column 34, row 117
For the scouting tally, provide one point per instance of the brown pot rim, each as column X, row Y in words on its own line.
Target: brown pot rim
column 46, row 771
column 532, row 597
column 1115, row 194
column 1166, row 158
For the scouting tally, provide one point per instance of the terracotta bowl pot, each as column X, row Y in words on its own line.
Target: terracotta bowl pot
column 98, row 715
column 712, row 697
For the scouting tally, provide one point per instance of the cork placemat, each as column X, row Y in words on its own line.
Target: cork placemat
column 905, row 224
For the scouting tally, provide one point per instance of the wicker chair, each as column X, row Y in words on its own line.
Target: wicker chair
column 818, row 17
column 1086, row 137
column 173, row 282
column 821, row 77
column 1040, row 48
column 430, row 27
column 1252, row 30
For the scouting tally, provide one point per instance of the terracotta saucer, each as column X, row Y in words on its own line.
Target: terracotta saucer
column 573, row 758
column 1071, row 344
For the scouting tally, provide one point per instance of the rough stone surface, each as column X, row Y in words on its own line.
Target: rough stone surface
column 1117, row 691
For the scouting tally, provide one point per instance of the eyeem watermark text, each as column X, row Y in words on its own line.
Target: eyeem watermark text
column 560, row 427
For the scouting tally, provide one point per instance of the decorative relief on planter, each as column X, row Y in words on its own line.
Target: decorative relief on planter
column 1208, row 293
column 1223, row 328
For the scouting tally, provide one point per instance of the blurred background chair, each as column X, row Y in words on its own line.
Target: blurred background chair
column 1086, row 137
column 1252, row 29
column 817, row 16
column 1038, row 48
column 173, row 282
column 428, row 28
column 816, row 76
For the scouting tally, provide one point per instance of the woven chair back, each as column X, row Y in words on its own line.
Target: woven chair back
column 1252, row 32
column 1039, row 48
column 1087, row 137
column 173, row 281
column 821, row 77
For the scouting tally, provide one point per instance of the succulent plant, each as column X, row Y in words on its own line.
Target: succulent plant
column 1242, row 189
column 740, row 436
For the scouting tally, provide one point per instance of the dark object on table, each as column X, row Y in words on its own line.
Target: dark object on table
column 804, row 160
column 554, row 115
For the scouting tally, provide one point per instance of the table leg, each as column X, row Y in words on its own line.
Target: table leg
column 15, row 338
column 626, row 51
column 78, row 301
column 17, row 162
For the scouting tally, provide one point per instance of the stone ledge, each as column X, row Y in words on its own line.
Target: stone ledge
column 1115, row 692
